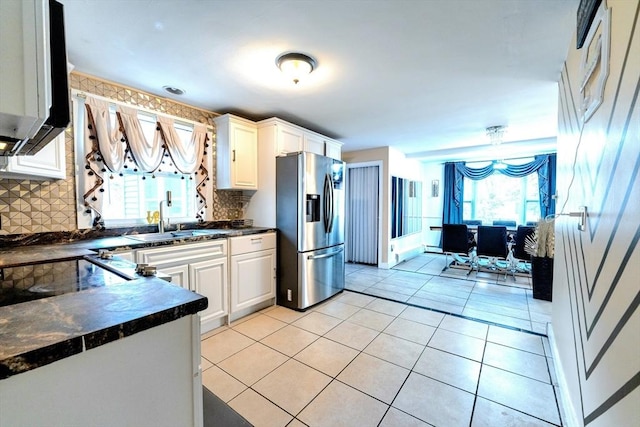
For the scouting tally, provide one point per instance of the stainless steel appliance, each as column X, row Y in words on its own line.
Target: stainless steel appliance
column 310, row 221
column 34, row 107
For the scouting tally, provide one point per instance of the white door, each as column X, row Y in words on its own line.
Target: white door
column 363, row 214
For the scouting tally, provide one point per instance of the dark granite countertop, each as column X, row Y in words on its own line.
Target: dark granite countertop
column 33, row 251
column 36, row 333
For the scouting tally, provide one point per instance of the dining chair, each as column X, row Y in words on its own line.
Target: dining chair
column 522, row 259
column 471, row 234
column 455, row 242
column 492, row 249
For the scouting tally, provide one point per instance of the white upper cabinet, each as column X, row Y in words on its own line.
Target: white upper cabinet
column 286, row 137
column 314, row 143
column 276, row 138
column 333, row 149
column 48, row 163
column 237, row 153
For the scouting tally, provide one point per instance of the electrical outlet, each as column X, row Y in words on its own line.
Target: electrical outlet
column 289, row 295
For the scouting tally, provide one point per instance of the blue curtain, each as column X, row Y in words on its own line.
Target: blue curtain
column 547, row 185
column 454, row 173
column 453, row 191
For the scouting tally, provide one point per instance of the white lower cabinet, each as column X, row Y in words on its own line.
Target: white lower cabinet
column 253, row 271
column 209, row 278
column 179, row 274
column 200, row 267
column 236, row 282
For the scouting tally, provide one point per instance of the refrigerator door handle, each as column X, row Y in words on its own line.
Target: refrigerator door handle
column 331, row 212
column 325, row 210
column 328, row 203
column 328, row 255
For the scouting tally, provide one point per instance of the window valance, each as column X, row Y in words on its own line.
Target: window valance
column 455, row 172
column 114, row 148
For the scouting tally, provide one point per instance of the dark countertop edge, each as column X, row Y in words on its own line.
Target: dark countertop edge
column 38, row 253
column 42, row 356
column 17, row 364
column 116, row 332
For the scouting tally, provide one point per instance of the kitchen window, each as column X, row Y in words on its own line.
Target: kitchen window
column 130, row 197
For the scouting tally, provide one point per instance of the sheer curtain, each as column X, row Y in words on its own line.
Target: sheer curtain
column 362, row 218
column 187, row 156
column 146, row 154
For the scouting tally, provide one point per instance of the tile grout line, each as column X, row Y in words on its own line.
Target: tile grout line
column 397, row 316
column 488, row 322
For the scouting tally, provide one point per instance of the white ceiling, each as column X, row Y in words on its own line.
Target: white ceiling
column 424, row 76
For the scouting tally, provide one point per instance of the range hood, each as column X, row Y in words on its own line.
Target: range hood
column 34, row 87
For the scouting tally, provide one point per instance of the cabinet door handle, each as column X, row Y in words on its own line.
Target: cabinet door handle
column 234, row 155
column 256, row 240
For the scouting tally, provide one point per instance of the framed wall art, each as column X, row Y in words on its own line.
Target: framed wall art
column 586, row 12
column 594, row 64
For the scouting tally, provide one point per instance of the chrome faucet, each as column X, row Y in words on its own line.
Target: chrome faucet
column 161, row 221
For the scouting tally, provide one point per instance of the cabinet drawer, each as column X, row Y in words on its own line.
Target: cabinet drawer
column 180, row 254
column 252, row 243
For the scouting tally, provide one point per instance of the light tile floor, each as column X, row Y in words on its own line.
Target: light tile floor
column 485, row 296
column 358, row 360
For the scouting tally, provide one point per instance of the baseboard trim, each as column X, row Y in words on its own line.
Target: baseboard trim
column 569, row 415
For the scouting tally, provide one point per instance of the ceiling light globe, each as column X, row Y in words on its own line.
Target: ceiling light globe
column 295, row 65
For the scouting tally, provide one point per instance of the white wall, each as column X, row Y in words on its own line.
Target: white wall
column 432, row 205
column 596, row 290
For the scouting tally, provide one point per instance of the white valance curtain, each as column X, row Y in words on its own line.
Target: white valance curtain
column 109, row 148
column 108, row 138
column 184, row 154
column 146, row 154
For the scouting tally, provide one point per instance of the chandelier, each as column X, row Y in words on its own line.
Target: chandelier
column 495, row 134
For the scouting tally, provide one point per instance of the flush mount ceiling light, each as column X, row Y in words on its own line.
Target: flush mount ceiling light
column 495, row 134
column 295, row 65
column 174, row 90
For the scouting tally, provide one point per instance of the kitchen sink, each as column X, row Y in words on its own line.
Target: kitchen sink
column 174, row 235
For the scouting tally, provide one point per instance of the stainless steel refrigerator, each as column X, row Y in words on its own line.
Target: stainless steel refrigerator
column 310, row 221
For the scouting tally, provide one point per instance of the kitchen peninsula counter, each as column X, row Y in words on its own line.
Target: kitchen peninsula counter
column 40, row 332
column 91, row 354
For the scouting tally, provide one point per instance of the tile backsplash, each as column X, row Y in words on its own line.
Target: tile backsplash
column 30, row 206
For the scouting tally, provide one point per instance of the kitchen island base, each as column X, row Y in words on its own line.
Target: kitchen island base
column 151, row 378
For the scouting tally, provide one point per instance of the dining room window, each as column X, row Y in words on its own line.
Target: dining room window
column 499, row 197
